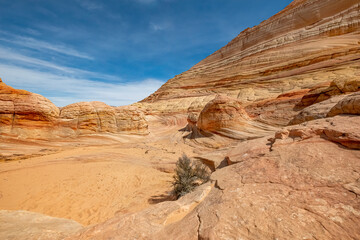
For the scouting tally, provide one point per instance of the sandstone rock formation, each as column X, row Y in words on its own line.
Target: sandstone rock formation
column 226, row 116
column 311, row 45
column 98, row 117
column 337, row 87
column 131, row 119
column 232, row 111
column 29, row 115
column 341, row 104
column 35, row 226
column 287, row 52
column 22, row 113
column 316, row 111
column 348, row 105
column 299, row 184
column 295, row 182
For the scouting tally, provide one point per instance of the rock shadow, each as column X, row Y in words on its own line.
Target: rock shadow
column 161, row 198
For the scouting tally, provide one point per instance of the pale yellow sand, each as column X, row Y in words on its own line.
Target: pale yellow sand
column 88, row 185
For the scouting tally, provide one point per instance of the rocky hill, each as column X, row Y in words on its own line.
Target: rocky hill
column 305, row 47
column 274, row 114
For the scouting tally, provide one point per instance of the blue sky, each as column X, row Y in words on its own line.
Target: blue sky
column 115, row 51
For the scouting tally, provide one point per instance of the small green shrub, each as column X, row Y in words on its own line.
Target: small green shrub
column 188, row 175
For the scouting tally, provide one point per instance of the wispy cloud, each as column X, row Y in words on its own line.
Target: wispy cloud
column 42, row 45
column 90, row 5
column 63, row 90
column 16, row 58
column 160, row 26
column 10, row 55
column 63, row 84
column 146, row 1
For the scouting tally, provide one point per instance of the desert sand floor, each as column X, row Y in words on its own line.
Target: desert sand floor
column 89, row 179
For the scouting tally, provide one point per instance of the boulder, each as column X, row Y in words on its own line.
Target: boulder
column 227, row 117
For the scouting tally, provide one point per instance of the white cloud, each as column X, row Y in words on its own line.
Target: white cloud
column 63, row 90
column 160, row 26
column 41, row 45
column 8, row 54
column 64, row 85
column 19, row 59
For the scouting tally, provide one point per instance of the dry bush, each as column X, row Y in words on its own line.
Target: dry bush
column 188, row 175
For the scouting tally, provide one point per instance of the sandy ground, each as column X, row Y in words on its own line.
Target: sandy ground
column 92, row 178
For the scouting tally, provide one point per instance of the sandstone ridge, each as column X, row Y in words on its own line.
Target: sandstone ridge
column 307, row 44
column 29, row 115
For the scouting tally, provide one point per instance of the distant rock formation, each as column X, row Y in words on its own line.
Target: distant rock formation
column 29, row 115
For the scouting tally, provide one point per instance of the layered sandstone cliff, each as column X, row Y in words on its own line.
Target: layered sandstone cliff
column 307, row 44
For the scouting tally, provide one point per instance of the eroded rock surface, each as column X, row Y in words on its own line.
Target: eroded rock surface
column 34, row 226
column 339, row 86
column 316, row 111
column 348, row 105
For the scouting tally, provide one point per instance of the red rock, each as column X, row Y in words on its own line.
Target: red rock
column 25, row 114
column 295, row 182
column 222, row 112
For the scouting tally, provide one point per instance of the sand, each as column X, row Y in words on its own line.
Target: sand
column 90, row 179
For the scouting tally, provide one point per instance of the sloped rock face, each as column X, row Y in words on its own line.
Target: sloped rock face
column 34, row 226
column 341, row 104
column 303, row 55
column 285, row 53
column 316, row 111
column 29, row 115
column 151, row 221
